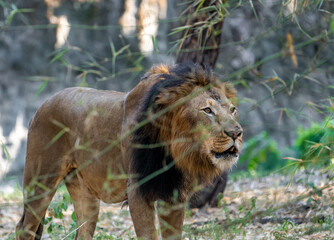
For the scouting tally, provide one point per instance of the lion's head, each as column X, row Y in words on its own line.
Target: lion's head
column 192, row 133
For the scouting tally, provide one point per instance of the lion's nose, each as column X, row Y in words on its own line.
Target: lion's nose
column 234, row 133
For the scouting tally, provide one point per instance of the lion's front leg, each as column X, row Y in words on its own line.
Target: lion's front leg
column 143, row 216
column 171, row 218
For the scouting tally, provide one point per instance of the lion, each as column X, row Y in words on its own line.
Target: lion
column 177, row 128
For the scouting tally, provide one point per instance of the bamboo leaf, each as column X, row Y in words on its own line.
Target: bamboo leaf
column 59, row 55
column 112, row 47
column 332, row 105
column 331, row 25
column 293, row 159
column 301, row 29
column 155, row 44
column 4, row 148
column 10, row 17
column 179, row 29
column 41, row 88
column 291, row 49
column 330, row 167
column 292, row 174
column 199, row 5
column 254, row 11
column 55, row 138
column 122, row 49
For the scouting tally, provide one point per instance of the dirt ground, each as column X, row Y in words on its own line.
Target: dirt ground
column 252, row 208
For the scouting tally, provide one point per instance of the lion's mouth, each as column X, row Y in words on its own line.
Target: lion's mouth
column 231, row 152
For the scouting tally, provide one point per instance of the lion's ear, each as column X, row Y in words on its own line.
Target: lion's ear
column 160, row 69
column 230, row 93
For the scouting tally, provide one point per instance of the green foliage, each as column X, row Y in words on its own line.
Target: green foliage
column 287, row 226
column 104, row 236
column 57, row 208
column 313, row 147
column 331, row 26
column 12, row 11
column 316, row 144
column 261, row 153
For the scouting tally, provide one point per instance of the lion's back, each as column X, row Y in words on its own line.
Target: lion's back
column 79, row 111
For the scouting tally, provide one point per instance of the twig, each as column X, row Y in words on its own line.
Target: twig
column 74, row 230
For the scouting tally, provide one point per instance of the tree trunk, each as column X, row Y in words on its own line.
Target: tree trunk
column 200, row 43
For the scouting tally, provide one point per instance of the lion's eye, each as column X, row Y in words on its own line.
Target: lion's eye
column 208, row 110
column 233, row 109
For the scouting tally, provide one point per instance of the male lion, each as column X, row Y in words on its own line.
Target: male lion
column 177, row 127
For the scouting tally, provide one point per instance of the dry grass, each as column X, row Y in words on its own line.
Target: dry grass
column 259, row 208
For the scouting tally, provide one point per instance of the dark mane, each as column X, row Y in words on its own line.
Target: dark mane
column 148, row 159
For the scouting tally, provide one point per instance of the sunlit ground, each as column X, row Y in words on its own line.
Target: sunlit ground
column 252, row 208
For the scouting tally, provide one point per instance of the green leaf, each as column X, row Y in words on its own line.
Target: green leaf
column 10, row 17
column 220, row 197
column 253, row 8
column 3, row 5
column 50, row 228
column 15, row 11
column 120, row 51
column 331, row 25
column 41, row 88
column 74, row 217
column 199, row 5
column 46, row 220
column 317, row 191
column 207, row 9
column 59, row 212
column 253, row 202
column 155, row 44
column 59, row 55
column 55, row 138
column 330, row 167
column 179, row 29
column 4, row 148
column 64, row 205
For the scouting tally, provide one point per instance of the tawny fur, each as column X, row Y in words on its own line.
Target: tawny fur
column 91, row 140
